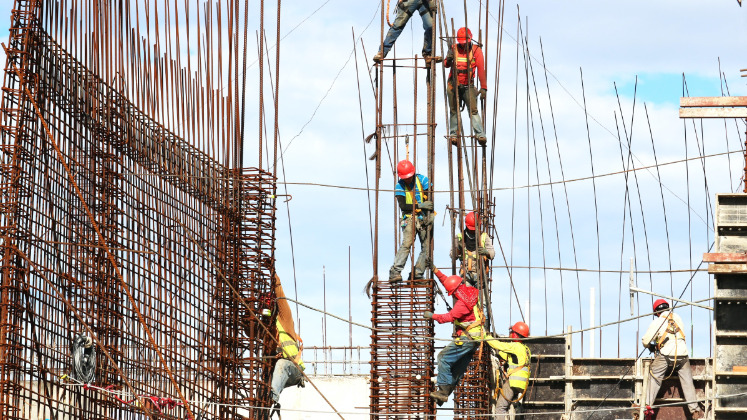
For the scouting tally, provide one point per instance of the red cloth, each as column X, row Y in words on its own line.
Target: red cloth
column 462, row 310
column 479, row 65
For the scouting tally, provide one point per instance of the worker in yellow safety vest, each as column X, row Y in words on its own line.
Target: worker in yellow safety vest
column 417, row 217
column 666, row 338
column 514, row 373
column 289, row 367
column 468, row 249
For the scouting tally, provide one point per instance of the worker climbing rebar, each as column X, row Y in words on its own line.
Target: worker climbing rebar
column 514, row 372
column 467, row 249
column 468, row 59
column 405, row 10
column 289, row 367
column 417, row 217
column 468, row 318
column 666, row 338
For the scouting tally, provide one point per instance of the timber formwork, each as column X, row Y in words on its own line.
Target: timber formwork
column 116, row 228
column 729, row 269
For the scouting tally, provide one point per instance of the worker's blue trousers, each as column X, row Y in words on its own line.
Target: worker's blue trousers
column 407, row 9
column 286, row 374
column 453, row 361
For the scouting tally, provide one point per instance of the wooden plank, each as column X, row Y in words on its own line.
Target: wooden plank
column 725, row 257
column 714, row 101
column 713, row 112
column 727, row 268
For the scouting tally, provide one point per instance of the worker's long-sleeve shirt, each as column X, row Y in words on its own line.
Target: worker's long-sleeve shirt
column 461, row 311
column 675, row 344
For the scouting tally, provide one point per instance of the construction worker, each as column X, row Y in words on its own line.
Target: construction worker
column 468, row 318
column 417, row 216
column 666, row 337
column 289, row 367
column 514, row 375
column 469, row 60
column 468, row 250
column 427, row 10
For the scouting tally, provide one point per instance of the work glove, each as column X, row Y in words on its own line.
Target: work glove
column 483, row 93
column 483, row 251
column 449, row 58
column 428, row 315
column 426, row 205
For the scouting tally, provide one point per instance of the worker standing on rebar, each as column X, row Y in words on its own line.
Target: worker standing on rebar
column 514, row 374
column 468, row 318
column 469, row 60
column 405, row 10
column 289, row 367
column 469, row 250
column 417, row 217
column 666, row 338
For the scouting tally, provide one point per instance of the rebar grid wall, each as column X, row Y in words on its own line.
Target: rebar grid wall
column 117, row 227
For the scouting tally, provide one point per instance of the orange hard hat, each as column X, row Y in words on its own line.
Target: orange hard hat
column 464, row 35
column 451, row 283
column 405, row 169
column 521, row 329
column 469, row 220
column 661, row 305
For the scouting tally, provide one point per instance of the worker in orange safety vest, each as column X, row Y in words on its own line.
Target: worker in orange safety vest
column 468, row 59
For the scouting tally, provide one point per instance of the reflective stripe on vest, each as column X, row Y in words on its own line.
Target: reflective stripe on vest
column 469, row 258
column 518, row 373
column 465, row 65
column 289, row 347
column 474, row 328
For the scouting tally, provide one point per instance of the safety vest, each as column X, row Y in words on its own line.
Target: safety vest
column 410, row 195
column 465, row 66
column 518, row 367
column 289, row 347
column 672, row 330
column 473, row 329
column 469, row 258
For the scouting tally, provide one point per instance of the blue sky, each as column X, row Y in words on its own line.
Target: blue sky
column 611, row 43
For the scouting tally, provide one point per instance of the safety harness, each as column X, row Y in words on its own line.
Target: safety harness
column 410, row 195
column 474, row 329
column 517, row 376
column 469, row 258
column 672, row 329
column 465, row 64
column 289, row 348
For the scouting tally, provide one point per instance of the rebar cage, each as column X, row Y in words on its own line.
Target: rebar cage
column 116, row 228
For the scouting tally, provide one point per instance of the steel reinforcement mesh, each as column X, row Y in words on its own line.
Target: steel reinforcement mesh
column 114, row 228
column 402, row 351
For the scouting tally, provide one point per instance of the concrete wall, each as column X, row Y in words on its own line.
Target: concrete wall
column 349, row 395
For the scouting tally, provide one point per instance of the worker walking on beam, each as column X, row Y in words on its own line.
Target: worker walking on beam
column 468, row 249
column 417, row 217
column 468, row 60
column 406, row 8
column 289, row 367
column 514, row 372
column 666, row 337
column 467, row 316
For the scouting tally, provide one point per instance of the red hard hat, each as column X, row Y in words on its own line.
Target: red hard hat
column 464, row 35
column 469, row 220
column 451, row 283
column 660, row 305
column 521, row 329
column 405, row 169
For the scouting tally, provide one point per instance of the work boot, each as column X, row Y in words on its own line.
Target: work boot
column 395, row 279
column 482, row 140
column 441, row 395
column 453, row 139
column 378, row 57
column 697, row 414
column 428, row 58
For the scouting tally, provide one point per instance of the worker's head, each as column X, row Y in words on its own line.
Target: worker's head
column 519, row 330
column 660, row 306
column 452, row 283
column 464, row 36
column 405, row 170
column 469, row 221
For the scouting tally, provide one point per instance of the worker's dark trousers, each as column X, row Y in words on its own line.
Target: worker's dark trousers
column 408, row 239
column 453, row 361
column 286, row 374
column 407, row 9
column 661, row 367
